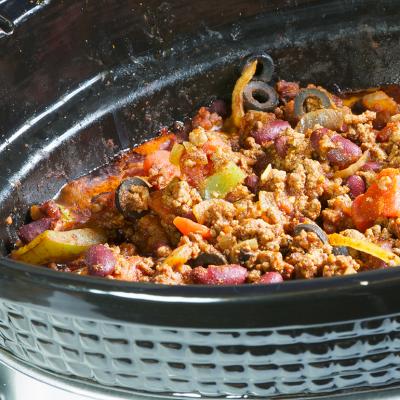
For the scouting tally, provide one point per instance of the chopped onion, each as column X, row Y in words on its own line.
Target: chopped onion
column 365, row 246
column 328, row 118
column 353, row 168
column 265, row 175
column 237, row 94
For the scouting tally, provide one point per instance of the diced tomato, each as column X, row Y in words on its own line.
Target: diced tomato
column 159, row 143
column 382, row 199
column 160, row 160
column 195, row 174
column 212, row 145
column 187, row 226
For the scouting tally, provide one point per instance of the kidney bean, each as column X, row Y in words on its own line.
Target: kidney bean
column 270, row 131
column 232, row 274
column 251, row 182
column 374, row 166
column 316, row 136
column 345, row 153
column 281, row 145
column 220, row 107
column 356, row 185
column 29, row 231
column 100, row 260
column 384, row 134
column 271, row 277
column 261, row 163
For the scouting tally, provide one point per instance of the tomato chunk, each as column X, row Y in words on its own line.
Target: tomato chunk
column 382, row 199
column 160, row 164
column 158, row 143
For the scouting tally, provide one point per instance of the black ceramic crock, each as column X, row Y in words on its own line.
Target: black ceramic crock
column 82, row 80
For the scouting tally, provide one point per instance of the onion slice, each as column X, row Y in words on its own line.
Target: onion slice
column 328, row 118
column 237, row 94
column 353, row 168
column 365, row 246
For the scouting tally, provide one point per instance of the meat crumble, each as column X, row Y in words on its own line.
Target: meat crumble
column 307, row 186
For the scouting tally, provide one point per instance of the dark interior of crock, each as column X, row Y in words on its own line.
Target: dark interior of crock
column 69, row 107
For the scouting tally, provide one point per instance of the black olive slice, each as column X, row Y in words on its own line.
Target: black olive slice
column 322, row 236
column 123, row 197
column 304, row 94
column 265, row 66
column 260, row 96
column 205, row 259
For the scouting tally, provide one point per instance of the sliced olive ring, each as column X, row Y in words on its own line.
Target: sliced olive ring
column 260, row 96
column 123, row 193
column 206, row 259
column 265, row 66
column 304, row 94
column 322, row 236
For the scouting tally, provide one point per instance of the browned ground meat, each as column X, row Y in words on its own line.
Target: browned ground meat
column 232, row 197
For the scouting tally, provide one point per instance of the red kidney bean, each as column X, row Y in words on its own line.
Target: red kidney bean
column 220, row 107
column 270, row 131
column 281, row 145
column 29, row 231
column 374, row 166
column 345, row 153
column 316, row 136
column 260, row 164
column 271, row 277
column 384, row 134
column 101, row 260
column 251, row 182
column 356, row 185
column 232, row 274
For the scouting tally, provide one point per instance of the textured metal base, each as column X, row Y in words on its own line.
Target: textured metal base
column 19, row 381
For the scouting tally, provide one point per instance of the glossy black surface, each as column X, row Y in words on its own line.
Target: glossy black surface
column 77, row 73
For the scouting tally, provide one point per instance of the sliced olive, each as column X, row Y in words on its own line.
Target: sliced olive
column 244, row 256
column 322, row 236
column 205, row 259
column 259, row 96
column 131, row 198
column 304, row 94
column 265, row 66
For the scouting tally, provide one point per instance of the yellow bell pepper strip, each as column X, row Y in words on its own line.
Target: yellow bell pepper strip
column 335, row 239
column 58, row 246
column 187, row 226
column 237, row 94
column 179, row 256
column 382, row 199
column 176, row 154
column 222, row 182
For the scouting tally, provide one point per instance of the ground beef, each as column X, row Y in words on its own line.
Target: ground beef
column 180, row 198
column 236, row 188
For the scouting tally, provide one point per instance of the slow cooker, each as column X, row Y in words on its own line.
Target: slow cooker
column 79, row 75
